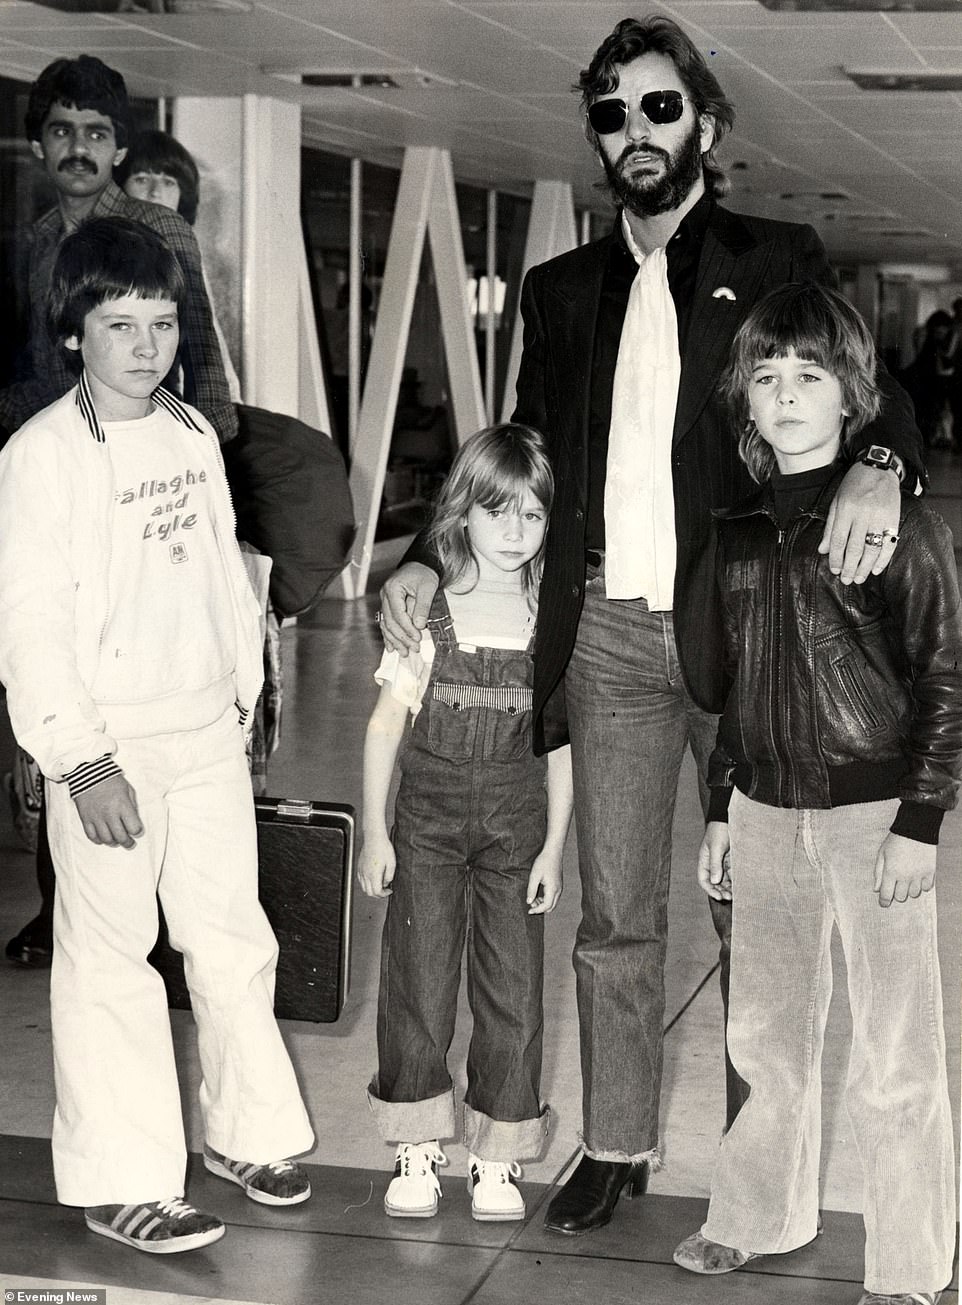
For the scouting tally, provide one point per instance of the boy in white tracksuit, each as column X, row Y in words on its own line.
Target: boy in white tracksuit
column 130, row 646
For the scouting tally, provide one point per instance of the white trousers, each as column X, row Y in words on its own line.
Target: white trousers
column 795, row 876
column 118, row 1134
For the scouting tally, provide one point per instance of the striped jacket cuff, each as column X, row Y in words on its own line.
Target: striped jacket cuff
column 89, row 773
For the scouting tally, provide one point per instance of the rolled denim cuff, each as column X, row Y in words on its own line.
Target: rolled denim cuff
column 502, row 1141
column 413, row 1121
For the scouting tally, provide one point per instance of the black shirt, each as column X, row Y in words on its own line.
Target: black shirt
column 683, row 252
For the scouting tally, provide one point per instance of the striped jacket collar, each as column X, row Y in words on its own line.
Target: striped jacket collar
column 160, row 396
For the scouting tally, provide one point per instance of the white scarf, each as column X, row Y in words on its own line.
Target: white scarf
column 640, row 549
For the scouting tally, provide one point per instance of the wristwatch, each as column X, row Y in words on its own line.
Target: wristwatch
column 877, row 455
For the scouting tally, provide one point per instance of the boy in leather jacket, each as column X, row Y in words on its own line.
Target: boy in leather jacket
column 838, row 753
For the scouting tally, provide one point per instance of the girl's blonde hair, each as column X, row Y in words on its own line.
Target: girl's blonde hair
column 821, row 326
column 495, row 468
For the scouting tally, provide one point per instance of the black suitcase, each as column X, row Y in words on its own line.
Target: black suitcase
column 306, row 855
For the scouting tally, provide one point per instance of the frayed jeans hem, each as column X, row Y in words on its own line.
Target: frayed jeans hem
column 651, row 1158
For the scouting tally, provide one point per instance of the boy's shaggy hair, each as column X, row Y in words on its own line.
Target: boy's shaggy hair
column 822, row 327
column 109, row 258
column 495, row 468
column 158, row 151
column 656, row 34
column 82, row 83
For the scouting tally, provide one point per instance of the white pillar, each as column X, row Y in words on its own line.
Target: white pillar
column 551, row 231
column 272, row 252
column 211, row 130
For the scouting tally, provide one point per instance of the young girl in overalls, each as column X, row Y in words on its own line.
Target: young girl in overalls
column 838, row 754
column 479, row 830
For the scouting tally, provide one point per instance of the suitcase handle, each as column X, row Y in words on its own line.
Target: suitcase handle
column 294, row 809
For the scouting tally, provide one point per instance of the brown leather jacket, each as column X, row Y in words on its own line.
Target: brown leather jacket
column 825, row 673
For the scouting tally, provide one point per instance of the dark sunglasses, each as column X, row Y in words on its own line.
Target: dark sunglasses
column 659, row 107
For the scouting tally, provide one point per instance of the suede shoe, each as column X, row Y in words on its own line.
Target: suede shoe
column 414, row 1190
column 698, row 1255
column 281, row 1182
column 588, row 1198
column 495, row 1197
column 158, row 1227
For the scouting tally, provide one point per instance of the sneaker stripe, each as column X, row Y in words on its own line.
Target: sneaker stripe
column 139, row 1215
column 145, row 1231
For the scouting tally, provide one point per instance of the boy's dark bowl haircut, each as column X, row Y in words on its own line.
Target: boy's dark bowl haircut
column 82, row 83
column 109, row 258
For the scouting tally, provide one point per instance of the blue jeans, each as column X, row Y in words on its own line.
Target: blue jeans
column 795, row 876
column 630, row 719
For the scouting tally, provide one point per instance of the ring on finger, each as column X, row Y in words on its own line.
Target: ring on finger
column 875, row 538
column 890, row 536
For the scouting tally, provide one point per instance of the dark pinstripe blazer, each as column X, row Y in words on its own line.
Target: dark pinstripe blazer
column 559, row 304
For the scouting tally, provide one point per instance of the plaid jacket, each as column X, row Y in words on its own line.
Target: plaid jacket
column 205, row 385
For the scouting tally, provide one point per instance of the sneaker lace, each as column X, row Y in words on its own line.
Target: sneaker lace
column 420, row 1158
column 175, row 1208
column 497, row 1171
column 280, row 1166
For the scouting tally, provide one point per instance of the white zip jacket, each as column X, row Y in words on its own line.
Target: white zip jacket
column 56, row 504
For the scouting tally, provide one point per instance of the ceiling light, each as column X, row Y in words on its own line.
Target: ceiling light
column 147, row 8
column 813, row 196
column 351, row 81
column 904, row 81
column 866, row 6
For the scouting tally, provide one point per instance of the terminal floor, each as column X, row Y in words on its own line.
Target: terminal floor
column 340, row 1249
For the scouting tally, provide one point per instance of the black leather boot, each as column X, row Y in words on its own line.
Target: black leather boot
column 590, row 1195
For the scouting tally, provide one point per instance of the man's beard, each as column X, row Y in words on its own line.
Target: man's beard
column 647, row 194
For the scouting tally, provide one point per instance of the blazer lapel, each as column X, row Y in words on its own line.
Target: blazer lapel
column 731, row 258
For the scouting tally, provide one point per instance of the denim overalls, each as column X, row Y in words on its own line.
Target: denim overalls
column 470, row 818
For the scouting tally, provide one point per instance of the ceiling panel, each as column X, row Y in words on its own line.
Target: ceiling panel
column 509, row 115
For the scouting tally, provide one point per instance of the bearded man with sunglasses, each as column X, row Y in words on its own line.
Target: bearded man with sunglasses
column 624, row 342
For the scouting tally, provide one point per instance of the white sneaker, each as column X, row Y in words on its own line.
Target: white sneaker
column 494, row 1193
column 414, row 1190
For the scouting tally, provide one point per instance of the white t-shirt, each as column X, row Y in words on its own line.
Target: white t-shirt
column 168, row 644
column 494, row 614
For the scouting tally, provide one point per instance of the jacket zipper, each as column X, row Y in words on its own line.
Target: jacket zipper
column 775, row 661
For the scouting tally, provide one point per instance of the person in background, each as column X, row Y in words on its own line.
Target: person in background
column 930, row 379
column 839, row 752
column 159, row 170
column 477, row 842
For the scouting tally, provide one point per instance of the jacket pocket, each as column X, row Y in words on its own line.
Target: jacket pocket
column 857, row 695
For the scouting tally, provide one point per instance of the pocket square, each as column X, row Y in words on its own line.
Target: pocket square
column 723, row 292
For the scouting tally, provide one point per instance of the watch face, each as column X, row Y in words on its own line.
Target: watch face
column 877, row 454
